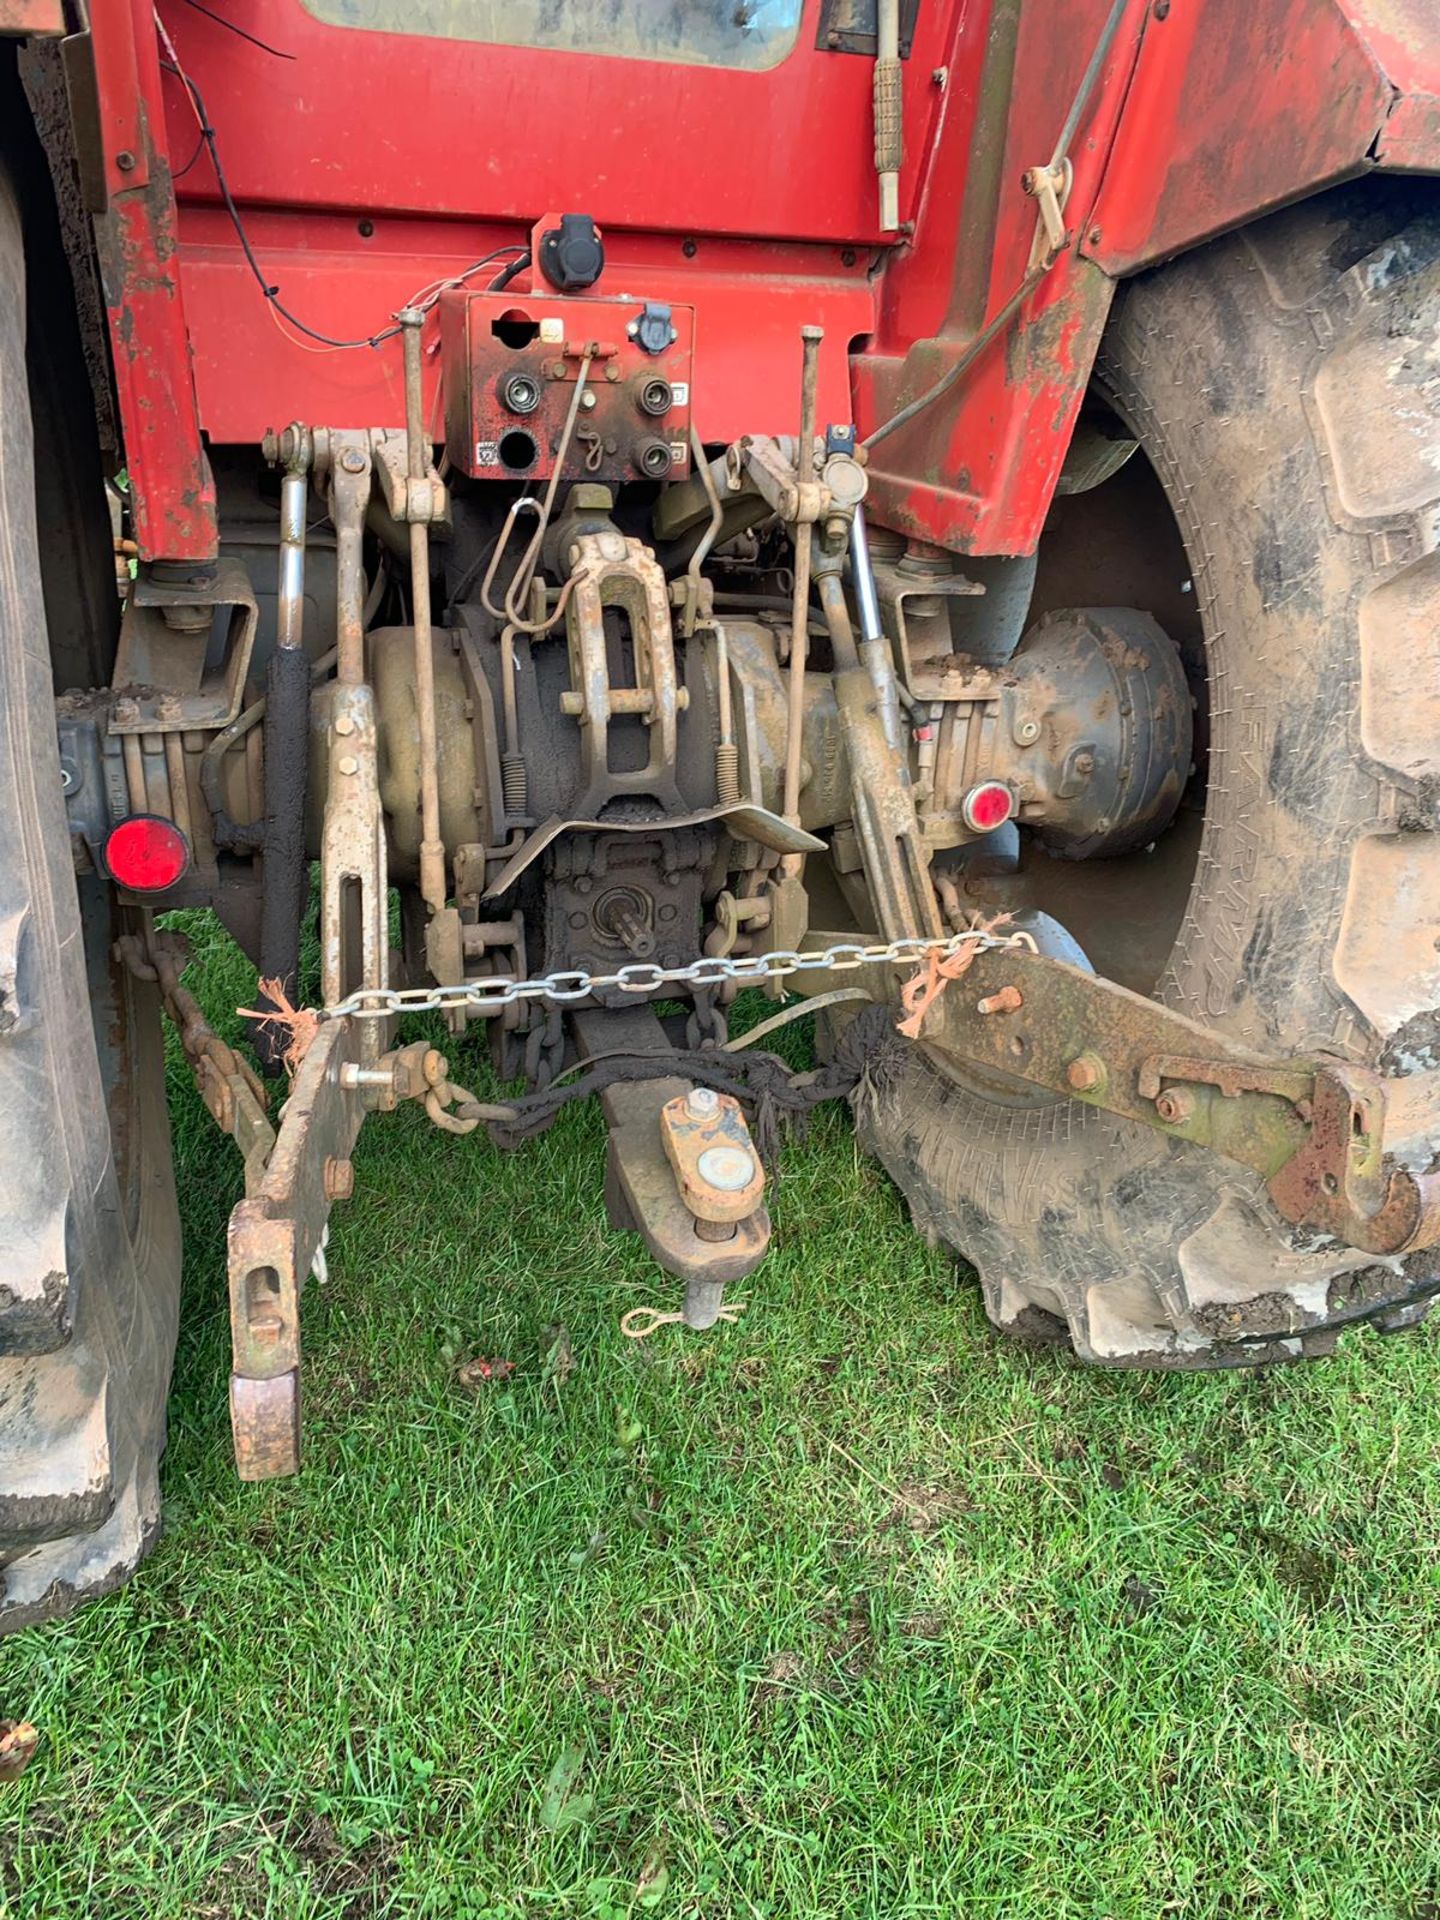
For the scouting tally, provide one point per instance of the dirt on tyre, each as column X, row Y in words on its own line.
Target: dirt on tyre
column 89, row 1233
column 1284, row 386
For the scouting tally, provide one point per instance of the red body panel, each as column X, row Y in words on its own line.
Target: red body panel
column 369, row 164
column 1224, row 124
column 750, row 303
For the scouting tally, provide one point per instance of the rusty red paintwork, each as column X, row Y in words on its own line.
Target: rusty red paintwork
column 481, row 350
column 172, row 491
column 744, row 194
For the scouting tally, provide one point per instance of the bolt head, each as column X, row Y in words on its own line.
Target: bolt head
column 1085, row 1074
column 1006, row 1000
column 347, row 763
column 344, row 724
column 703, row 1103
column 352, row 460
column 339, row 1178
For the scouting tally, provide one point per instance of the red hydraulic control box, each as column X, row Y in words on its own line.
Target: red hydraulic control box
column 511, row 364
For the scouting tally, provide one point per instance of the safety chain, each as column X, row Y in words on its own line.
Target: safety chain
column 564, row 988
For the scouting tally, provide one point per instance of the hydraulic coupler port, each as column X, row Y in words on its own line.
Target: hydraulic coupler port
column 655, row 397
column 520, row 392
column 652, row 458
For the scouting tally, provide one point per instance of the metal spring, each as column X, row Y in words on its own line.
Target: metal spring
column 727, row 774
column 513, row 784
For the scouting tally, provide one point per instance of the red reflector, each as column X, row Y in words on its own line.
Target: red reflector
column 987, row 806
column 146, row 854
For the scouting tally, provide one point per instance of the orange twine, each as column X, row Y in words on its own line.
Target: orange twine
column 301, row 1023
column 920, row 993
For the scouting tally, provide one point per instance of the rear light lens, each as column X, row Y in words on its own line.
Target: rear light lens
column 146, row 853
column 987, row 806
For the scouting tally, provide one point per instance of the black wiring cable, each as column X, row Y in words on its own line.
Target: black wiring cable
column 231, row 27
column 476, row 567
column 199, row 149
column 272, row 291
column 507, row 274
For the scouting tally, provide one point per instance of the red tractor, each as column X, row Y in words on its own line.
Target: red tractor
column 928, row 508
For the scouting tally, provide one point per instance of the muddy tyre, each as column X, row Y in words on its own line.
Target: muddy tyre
column 1284, row 384
column 89, row 1234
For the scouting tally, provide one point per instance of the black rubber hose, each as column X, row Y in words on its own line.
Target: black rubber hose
column 282, row 891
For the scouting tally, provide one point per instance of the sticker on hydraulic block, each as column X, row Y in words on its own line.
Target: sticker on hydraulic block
column 487, row 453
column 680, row 392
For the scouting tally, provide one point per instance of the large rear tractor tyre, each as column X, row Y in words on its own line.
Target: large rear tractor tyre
column 89, row 1232
column 1284, row 385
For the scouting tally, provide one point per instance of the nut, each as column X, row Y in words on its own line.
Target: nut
column 1086, row 1073
column 352, row 460
column 339, row 1178
column 1175, row 1105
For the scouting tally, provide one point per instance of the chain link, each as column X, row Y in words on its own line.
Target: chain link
column 567, row 988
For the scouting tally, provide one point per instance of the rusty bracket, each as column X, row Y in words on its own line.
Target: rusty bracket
column 1230, row 1077
column 610, row 571
column 170, row 676
column 713, row 1159
column 274, row 1236
column 1340, row 1182
column 1049, row 188
column 408, row 499
column 1312, row 1128
column 642, row 1190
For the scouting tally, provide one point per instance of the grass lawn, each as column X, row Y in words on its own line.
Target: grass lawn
column 850, row 1610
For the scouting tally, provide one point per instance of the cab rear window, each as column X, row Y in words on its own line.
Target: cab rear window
column 751, row 34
